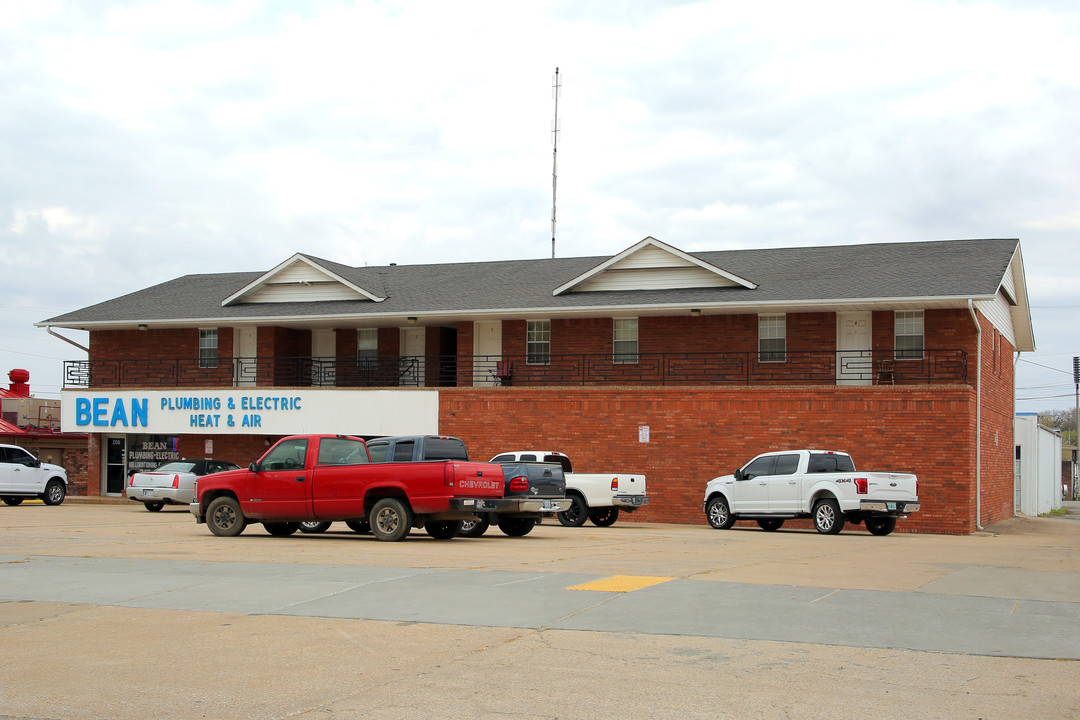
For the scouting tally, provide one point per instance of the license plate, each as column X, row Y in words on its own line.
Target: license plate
column 547, row 505
column 147, row 492
column 890, row 506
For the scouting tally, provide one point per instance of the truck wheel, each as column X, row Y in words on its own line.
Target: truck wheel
column 360, row 527
column 474, row 527
column 55, row 492
column 719, row 515
column 576, row 514
column 827, row 517
column 517, row 527
column 224, row 518
column 314, row 526
column 443, row 529
column 9, row 500
column 283, row 529
column 880, row 525
column 770, row 524
column 154, row 506
column 390, row 520
column 604, row 517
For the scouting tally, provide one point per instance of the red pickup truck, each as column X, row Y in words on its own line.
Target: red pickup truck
column 331, row 477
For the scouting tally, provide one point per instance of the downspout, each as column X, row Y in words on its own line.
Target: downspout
column 978, row 415
column 69, row 341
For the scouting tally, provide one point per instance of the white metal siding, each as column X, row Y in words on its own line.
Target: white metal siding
column 999, row 313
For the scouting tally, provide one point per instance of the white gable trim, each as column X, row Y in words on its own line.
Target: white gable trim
column 652, row 265
column 299, row 279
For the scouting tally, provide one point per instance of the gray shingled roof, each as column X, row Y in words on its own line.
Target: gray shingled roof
column 830, row 276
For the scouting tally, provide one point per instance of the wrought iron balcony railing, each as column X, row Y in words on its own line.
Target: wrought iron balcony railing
column 790, row 367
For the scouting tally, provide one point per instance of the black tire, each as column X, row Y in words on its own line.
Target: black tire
column 314, row 526
column 390, row 520
column 55, row 492
column 474, row 527
column 517, row 527
column 154, row 506
column 360, row 527
column 719, row 514
column 604, row 517
column 224, row 517
column 576, row 514
column 770, row 524
column 880, row 525
column 281, row 529
column 9, row 500
column 828, row 520
column 443, row 529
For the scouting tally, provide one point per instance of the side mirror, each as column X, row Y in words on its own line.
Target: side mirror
column 739, row 474
column 254, row 467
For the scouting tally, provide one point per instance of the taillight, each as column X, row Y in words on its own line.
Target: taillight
column 448, row 475
column 131, row 479
column 614, row 483
column 175, row 482
column 860, row 486
column 519, row 484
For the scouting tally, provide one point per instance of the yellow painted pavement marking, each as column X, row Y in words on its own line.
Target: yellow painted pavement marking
column 620, row 583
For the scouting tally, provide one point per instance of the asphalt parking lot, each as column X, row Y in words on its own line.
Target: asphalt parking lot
column 108, row 611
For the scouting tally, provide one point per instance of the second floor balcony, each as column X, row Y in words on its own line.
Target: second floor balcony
column 789, row 367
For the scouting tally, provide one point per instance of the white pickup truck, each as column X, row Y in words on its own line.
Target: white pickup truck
column 821, row 484
column 24, row 476
column 594, row 496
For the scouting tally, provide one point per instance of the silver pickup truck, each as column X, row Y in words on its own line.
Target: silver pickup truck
column 822, row 484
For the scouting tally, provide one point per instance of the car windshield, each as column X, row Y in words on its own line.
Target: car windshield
column 176, row 467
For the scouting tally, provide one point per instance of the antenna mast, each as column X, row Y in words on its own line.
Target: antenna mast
column 554, row 160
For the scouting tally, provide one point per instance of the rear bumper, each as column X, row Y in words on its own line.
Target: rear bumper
column 159, row 494
column 630, row 501
column 511, row 505
column 883, row 507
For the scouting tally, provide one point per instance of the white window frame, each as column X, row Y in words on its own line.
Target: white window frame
column 367, row 347
column 772, row 338
column 909, row 334
column 208, row 348
column 537, row 342
column 624, row 341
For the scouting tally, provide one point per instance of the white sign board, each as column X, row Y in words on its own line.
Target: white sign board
column 243, row 411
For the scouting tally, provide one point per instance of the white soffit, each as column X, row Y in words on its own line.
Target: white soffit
column 652, row 265
column 299, row 279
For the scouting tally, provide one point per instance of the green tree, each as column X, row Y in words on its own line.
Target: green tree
column 1065, row 420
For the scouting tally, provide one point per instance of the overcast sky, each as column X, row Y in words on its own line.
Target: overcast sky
column 141, row 141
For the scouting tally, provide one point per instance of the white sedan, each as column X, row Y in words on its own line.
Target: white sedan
column 173, row 482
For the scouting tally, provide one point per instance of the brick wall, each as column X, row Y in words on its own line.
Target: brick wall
column 699, row 433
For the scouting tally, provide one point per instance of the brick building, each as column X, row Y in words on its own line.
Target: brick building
column 679, row 365
column 34, row 424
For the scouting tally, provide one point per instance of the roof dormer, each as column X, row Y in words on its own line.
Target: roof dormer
column 652, row 265
column 299, row 279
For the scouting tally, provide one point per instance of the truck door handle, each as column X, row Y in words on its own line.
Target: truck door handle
column 299, row 478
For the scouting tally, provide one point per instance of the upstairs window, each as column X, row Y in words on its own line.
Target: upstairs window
column 625, row 341
column 772, row 338
column 208, row 348
column 909, row 335
column 367, row 347
column 538, row 342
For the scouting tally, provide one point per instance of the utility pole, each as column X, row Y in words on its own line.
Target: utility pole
column 554, row 159
column 1076, row 426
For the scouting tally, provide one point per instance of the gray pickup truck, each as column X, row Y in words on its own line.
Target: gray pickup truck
column 529, row 484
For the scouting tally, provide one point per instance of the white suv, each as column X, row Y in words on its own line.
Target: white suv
column 22, row 475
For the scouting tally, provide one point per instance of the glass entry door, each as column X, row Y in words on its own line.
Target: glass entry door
column 115, row 469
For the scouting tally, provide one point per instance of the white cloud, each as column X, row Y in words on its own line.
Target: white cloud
column 147, row 139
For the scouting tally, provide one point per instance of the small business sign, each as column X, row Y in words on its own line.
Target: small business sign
column 239, row 411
